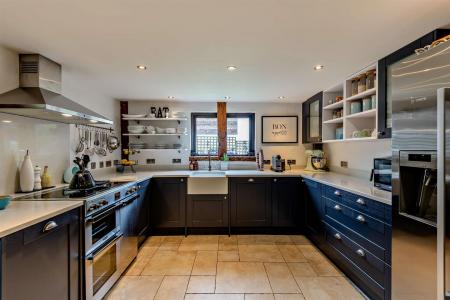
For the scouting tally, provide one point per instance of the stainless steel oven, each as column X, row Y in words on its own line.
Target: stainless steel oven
column 101, row 226
column 382, row 173
column 103, row 268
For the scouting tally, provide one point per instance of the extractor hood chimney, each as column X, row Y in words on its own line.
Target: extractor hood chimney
column 39, row 94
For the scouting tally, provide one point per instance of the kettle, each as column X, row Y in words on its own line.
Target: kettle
column 83, row 178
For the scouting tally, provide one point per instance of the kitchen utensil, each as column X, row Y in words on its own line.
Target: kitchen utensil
column 4, row 201
column 319, row 162
column 70, row 172
column 112, row 143
column 82, row 178
column 80, row 146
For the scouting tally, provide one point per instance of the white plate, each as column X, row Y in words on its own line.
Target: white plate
column 133, row 116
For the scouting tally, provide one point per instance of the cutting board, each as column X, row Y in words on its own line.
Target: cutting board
column 129, row 178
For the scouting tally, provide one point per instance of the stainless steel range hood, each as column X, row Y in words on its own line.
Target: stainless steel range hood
column 39, row 95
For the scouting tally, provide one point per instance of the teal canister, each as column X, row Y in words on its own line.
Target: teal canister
column 355, row 107
column 366, row 104
column 339, row 133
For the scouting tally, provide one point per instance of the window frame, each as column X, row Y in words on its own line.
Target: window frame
column 250, row 116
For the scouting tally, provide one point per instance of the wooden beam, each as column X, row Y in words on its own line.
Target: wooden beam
column 124, row 139
column 222, row 127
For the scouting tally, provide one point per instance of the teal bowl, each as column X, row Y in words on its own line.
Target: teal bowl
column 4, row 201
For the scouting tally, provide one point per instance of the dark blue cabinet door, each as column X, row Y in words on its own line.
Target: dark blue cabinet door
column 168, row 202
column 313, row 210
column 143, row 211
column 286, row 195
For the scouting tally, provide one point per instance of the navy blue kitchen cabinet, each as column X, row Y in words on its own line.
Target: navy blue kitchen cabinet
column 286, row 192
column 250, row 202
column 354, row 232
column 168, row 202
column 44, row 261
column 313, row 210
column 143, row 211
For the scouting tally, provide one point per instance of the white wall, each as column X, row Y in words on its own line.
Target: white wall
column 359, row 155
column 291, row 151
column 49, row 143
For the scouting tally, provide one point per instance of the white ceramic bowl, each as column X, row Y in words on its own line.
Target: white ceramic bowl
column 160, row 130
column 136, row 129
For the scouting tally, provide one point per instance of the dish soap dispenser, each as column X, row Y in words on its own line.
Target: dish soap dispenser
column 46, row 179
column 26, row 174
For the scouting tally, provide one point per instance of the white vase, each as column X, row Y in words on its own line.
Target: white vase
column 37, row 179
column 26, row 175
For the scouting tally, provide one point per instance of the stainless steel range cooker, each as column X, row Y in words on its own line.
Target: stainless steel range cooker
column 110, row 245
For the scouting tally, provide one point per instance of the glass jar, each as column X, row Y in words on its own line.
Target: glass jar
column 370, row 80
column 354, row 86
column 362, row 83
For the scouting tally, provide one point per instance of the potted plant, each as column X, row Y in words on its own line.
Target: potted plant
column 224, row 162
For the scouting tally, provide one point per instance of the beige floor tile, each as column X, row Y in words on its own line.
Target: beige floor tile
column 174, row 238
column 300, row 240
column 214, row 297
column 147, row 251
column 282, row 240
column 153, row 241
column 302, row 270
column 289, row 297
column 241, row 277
column 281, row 279
column 200, row 242
column 135, row 288
column 228, row 243
column 205, row 263
column 256, row 239
column 291, row 253
column 172, row 288
column 170, row 263
column 136, row 268
column 325, row 268
column 228, row 256
column 311, row 253
column 202, row 284
column 259, row 297
column 260, row 253
column 327, row 288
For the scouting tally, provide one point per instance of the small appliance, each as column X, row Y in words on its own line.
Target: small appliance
column 315, row 161
column 382, row 173
column 278, row 164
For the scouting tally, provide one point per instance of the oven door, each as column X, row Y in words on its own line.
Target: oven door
column 101, row 226
column 102, row 268
column 382, row 174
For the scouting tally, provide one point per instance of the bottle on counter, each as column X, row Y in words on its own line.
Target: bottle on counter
column 37, row 179
column 46, row 179
column 26, row 174
column 191, row 165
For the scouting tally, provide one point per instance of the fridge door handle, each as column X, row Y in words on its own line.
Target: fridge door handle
column 442, row 98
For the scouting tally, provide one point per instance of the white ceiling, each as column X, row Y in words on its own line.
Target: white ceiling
column 188, row 43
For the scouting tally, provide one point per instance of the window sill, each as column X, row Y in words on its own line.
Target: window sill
column 215, row 158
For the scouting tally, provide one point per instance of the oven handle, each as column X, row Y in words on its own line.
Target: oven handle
column 108, row 245
column 129, row 201
column 97, row 217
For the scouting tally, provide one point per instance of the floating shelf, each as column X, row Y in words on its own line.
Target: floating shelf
column 154, row 134
column 159, row 149
column 363, row 114
column 333, row 141
column 154, row 119
column 335, row 105
column 368, row 138
column 334, row 121
column 366, row 93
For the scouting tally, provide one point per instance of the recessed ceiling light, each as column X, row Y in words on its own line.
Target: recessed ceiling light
column 7, row 121
column 171, row 97
column 141, row 67
column 231, row 68
column 227, row 97
column 93, row 121
column 66, row 115
column 318, row 67
column 282, row 97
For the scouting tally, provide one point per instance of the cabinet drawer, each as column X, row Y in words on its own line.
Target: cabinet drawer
column 373, row 208
column 43, row 228
column 374, row 248
column 373, row 229
column 360, row 256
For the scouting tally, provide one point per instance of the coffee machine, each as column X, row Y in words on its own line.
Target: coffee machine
column 278, row 164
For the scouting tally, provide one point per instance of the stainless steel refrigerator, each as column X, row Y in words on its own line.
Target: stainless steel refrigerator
column 419, row 87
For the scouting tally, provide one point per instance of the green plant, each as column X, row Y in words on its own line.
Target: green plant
column 225, row 157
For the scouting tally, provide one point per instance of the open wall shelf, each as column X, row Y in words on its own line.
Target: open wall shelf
column 337, row 114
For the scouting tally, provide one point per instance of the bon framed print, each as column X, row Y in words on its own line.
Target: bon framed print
column 279, row 129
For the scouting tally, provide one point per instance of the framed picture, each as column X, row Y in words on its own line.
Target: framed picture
column 279, row 129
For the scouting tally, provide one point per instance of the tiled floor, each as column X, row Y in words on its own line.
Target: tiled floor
column 260, row 267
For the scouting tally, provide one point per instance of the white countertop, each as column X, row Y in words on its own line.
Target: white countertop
column 351, row 184
column 22, row 214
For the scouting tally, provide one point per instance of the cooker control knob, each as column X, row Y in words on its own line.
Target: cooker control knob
column 103, row 202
